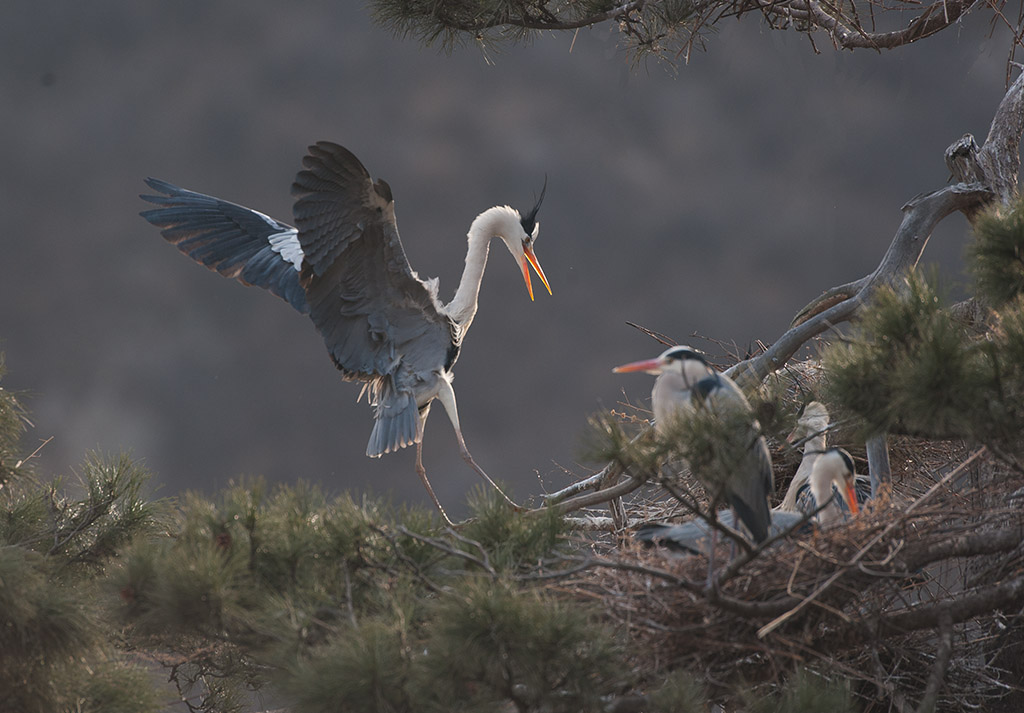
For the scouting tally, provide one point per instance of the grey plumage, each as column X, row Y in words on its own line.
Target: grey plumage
column 687, row 384
column 379, row 321
column 694, row 536
column 228, row 238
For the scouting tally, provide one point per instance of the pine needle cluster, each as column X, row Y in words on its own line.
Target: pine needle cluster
column 913, row 368
column 56, row 645
column 996, row 257
column 648, row 28
column 910, row 367
column 12, row 427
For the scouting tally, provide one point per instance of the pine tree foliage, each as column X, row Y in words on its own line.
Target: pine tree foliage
column 912, row 367
column 56, row 649
column 996, row 258
column 12, row 427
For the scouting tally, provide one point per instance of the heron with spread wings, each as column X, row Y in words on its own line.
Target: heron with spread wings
column 344, row 265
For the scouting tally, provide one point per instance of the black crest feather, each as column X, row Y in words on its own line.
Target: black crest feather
column 529, row 221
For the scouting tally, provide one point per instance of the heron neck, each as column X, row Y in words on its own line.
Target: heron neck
column 815, row 444
column 821, row 489
column 462, row 308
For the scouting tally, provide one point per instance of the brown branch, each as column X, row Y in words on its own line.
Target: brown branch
column 934, row 18
column 965, row 545
column 829, row 298
column 988, row 173
column 966, row 605
column 941, row 665
column 999, row 158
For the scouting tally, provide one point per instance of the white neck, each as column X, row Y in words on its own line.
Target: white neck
column 817, row 441
column 821, row 489
column 813, row 446
column 487, row 225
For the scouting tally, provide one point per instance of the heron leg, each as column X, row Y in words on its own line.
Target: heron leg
column 446, row 394
column 421, row 471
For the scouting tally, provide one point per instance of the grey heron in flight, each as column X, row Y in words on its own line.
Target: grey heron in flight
column 685, row 383
column 833, row 468
column 344, row 265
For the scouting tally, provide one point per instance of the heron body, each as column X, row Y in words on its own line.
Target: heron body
column 833, row 468
column 343, row 264
column 685, row 383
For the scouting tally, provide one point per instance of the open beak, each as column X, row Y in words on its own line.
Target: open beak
column 530, row 258
column 851, row 499
column 648, row 365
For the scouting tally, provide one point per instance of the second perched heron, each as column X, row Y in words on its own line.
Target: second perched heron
column 344, row 266
column 685, row 383
column 801, row 495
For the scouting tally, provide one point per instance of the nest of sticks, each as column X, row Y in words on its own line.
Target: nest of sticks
column 918, row 601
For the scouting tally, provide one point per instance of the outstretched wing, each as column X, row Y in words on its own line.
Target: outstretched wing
column 237, row 242
column 379, row 321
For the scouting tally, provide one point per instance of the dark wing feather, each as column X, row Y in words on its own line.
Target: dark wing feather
column 753, row 482
column 233, row 240
column 378, row 319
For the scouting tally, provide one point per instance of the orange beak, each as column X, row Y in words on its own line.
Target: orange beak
column 646, row 365
column 851, row 499
column 530, row 258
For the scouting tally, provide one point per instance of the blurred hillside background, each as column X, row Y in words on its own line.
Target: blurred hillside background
column 716, row 199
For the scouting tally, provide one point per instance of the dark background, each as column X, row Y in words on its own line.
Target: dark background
column 717, row 199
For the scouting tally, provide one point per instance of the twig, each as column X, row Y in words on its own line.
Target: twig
column 938, row 674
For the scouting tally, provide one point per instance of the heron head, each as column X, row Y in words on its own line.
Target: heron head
column 519, row 233
column 813, row 419
column 835, row 467
column 685, row 361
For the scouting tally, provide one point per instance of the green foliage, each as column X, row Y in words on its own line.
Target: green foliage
column 491, row 642
column 509, row 539
column 115, row 687
column 910, row 367
column 56, row 648
column 12, row 427
column 608, row 438
column 338, row 605
column 364, row 668
column 996, row 257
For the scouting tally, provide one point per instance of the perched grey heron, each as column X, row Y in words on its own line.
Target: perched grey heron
column 811, row 429
column 344, row 266
column 685, row 383
column 841, row 495
column 833, row 468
